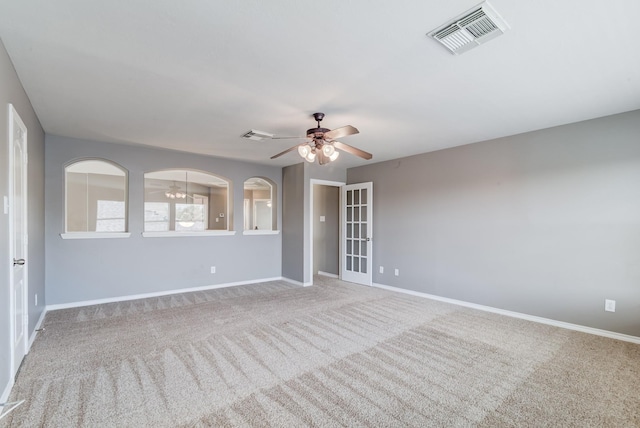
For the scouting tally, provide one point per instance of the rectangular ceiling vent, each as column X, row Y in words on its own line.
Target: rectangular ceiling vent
column 257, row 135
column 470, row 29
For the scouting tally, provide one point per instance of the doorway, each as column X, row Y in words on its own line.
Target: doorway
column 324, row 257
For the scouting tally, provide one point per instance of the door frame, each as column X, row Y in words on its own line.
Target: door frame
column 14, row 118
column 339, row 185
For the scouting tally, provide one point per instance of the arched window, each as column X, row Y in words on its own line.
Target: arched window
column 95, row 198
column 185, row 202
column 259, row 206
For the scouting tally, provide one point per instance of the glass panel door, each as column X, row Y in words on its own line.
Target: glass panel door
column 356, row 233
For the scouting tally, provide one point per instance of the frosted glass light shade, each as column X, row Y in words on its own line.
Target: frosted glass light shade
column 328, row 150
column 304, row 150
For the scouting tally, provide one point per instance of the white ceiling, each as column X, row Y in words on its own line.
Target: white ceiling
column 194, row 76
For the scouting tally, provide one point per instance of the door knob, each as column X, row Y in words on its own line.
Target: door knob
column 19, row 262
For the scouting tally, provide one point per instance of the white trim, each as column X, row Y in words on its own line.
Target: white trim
column 293, row 281
column 260, row 232
column 10, row 406
column 561, row 324
column 7, row 391
column 327, row 182
column 330, row 275
column 174, row 234
column 34, row 333
column 94, row 235
column 154, row 294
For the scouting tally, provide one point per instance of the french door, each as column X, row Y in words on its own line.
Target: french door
column 357, row 227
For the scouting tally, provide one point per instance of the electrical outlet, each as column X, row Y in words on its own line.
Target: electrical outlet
column 609, row 305
column 213, row 269
column 397, row 272
column 381, row 269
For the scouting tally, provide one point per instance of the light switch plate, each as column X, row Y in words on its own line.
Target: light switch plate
column 610, row 305
column 322, row 219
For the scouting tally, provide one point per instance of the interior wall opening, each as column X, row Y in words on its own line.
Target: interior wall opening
column 326, row 230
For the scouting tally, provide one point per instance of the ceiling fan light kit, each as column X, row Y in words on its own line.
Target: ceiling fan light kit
column 321, row 143
column 307, row 152
column 328, row 150
column 175, row 192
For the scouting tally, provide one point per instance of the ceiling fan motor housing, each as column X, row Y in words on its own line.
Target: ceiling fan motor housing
column 317, row 133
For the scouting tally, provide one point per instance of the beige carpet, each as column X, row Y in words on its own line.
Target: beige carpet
column 335, row 354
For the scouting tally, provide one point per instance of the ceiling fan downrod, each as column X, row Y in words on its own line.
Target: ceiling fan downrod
column 318, row 117
column 317, row 133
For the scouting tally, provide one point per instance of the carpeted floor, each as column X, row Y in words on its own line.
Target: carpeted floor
column 335, row 354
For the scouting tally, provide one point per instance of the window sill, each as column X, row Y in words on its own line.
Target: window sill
column 261, row 232
column 95, row 235
column 174, row 234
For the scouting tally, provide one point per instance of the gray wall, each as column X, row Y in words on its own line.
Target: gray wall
column 545, row 223
column 87, row 269
column 293, row 229
column 297, row 240
column 326, row 234
column 11, row 92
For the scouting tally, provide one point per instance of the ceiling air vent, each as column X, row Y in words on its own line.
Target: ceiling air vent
column 470, row 29
column 257, row 135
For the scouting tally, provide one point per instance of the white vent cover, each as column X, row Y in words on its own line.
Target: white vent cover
column 470, row 29
column 257, row 135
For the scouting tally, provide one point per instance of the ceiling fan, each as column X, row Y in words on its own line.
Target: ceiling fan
column 321, row 143
column 172, row 192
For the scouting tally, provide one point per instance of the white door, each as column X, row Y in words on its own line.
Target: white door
column 18, row 236
column 262, row 214
column 357, row 227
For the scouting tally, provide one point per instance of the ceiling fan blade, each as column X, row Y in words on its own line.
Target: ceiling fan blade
column 287, row 138
column 285, row 152
column 354, row 151
column 341, row 132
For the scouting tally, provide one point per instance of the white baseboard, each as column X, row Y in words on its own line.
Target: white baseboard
column 5, row 394
column 56, row 307
column 330, row 275
column 293, row 281
column 7, row 390
column 561, row 324
column 34, row 333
